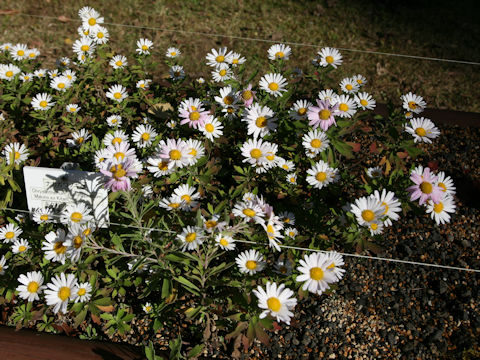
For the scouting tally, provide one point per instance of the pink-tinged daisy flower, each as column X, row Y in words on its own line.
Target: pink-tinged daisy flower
column 119, row 173
column 193, row 113
column 425, row 188
column 248, row 95
column 177, row 152
column 322, row 115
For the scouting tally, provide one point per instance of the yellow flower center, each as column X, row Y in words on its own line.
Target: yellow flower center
column 64, row 293
column 76, row 216
column 9, row 73
column 61, row 85
column 186, row 198
column 81, row 292
column 9, row 235
column 117, row 171
column 85, row 48
column 249, row 212
column 279, row 54
column 261, row 122
column 119, row 155
column 273, row 86
column 100, row 35
column 228, row 100
column 87, row 231
column 145, row 136
column 173, row 53
column 32, row 287
column 144, row 47
column 43, row 104
column 190, row 237
column 329, row 59
column 316, row 143
column 270, row 157
column 77, row 242
column 363, row 102
column 59, row 248
column 438, row 208
column 274, row 304
column 220, row 58
column 222, row 72
column 374, row 226
column 256, row 153
column 116, row 140
column 324, row 114
column 301, row 111
column 210, row 224
column 16, row 155
column 247, row 95
column 443, row 186
column 270, row 229
column 321, row 176
column 117, row 95
column 92, row 21
column 174, row 205
column 22, row 248
column 386, row 207
column 426, row 187
column 20, row 52
column 223, row 242
column 331, row 266
column 316, row 273
column 175, row 154
column 44, row 217
column 235, row 61
column 412, row 105
column 209, row 127
column 349, row 87
column 119, row 63
column 343, row 107
column 420, row 131
column 251, row 265
column 163, row 165
column 194, row 116
column 368, row 215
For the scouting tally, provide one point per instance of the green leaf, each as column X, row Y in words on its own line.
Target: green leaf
column 188, row 285
column 197, row 349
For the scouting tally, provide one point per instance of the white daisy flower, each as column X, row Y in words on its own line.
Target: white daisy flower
column 367, row 210
column 16, row 153
column 250, row 262
column 283, row 267
column 147, row 308
column 143, row 84
column 147, row 191
column 144, row 46
column 440, row 212
column 117, row 137
column 20, row 246
column 63, row 61
column 40, row 73
column 200, row 80
column 117, row 93
column 6, row 46
column 391, row 205
column 346, row 106
column 32, row 54
column 176, row 151
column 260, row 120
column 314, row 142
column 100, row 35
column 118, row 62
column 235, row 59
column 225, row 242
column 114, row 120
column 217, row 57
column 286, row 165
column 222, row 73
column 83, row 46
column 76, row 213
column 328, row 94
column 31, row 285
column 83, row 292
column 291, row 178
column 191, row 237
column 72, row 108
column 422, row 130
column 376, row 227
column 19, row 52
column 291, row 232
column 349, row 86
column 413, row 103
column 274, row 234
column 25, row 77
column 42, row 101
column 78, row 138
column 315, row 273
column 173, row 52
column 279, row 52
column 158, row 166
column 144, row 135
column 330, row 56
column 53, row 73
column 227, row 97
column 255, row 150
column 277, row 301
column 55, row 246
column 336, row 260
column 90, row 17
column 321, row 175
column 273, row 84
column 360, row 79
column 60, row 290
column 177, row 72
column 212, row 128
column 213, row 224
column 365, row 101
column 195, row 149
column 43, row 215
column 100, row 158
column 3, row 265
column 299, row 109
column 188, row 196
column 70, row 75
column 287, row 217
column 10, row 233
column 249, row 210
column 446, row 183
column 75, row 240
column 375, row 172
column 171, row 203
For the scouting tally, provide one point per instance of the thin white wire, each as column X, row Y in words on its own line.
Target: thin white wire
column 302, row 249
column 266, row 40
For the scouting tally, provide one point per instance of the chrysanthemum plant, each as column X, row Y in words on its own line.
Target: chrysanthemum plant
column 225, row 185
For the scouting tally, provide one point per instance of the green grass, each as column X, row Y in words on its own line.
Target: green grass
column 435, row 30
